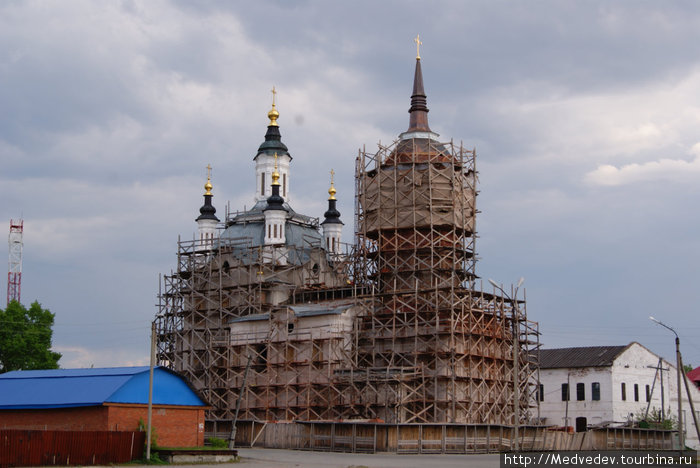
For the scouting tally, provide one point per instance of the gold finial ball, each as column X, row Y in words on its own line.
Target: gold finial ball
column 208, row 187
column 273, row 115
column 332, row 192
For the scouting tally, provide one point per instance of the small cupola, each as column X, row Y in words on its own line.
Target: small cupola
column 264, row 159
column 207, row 220
column 275, row 213
column 332, row 225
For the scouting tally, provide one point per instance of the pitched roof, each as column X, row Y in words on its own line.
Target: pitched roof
column 694, row 375
column 585, row 356
column 65, row 388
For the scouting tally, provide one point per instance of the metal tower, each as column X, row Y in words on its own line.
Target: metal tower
column 14, row 274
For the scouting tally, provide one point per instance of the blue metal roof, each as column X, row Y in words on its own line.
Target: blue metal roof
column 64, row 388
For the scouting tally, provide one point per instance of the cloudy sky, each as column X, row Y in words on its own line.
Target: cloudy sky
column 585, row 117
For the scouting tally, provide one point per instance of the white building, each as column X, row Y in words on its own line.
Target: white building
column 609, row 385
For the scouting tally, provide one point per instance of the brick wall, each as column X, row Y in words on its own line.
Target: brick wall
column 174, row 426
column 92, row 418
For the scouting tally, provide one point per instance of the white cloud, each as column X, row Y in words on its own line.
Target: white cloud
column 672, row 170
column 600, row 125
column 80, row 357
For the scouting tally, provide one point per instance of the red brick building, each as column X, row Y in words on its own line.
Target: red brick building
column 110, row 399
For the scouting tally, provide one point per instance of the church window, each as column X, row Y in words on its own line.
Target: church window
column 274, row 230
column 284, row 185
column 595, row 391
column 262, row 184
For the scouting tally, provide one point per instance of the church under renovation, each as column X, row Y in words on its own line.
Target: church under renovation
column 272, row 316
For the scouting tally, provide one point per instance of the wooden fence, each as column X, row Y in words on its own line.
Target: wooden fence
column 440, row 438
column 43, row 448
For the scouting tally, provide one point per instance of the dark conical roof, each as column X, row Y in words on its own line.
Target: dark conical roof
column 273, row 143
column 207, row 211
column 275, row 201
column 419, row 104
column 332, row 215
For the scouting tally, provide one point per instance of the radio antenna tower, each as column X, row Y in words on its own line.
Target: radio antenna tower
column 14, row 274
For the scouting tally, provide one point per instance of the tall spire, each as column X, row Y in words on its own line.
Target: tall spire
column 419, row 104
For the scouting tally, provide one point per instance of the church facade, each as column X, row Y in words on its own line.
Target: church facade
column 272, row 317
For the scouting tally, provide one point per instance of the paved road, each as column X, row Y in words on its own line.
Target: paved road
column 273, row 458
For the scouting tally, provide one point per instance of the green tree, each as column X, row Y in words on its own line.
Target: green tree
column 25, row 338
column 687, row 368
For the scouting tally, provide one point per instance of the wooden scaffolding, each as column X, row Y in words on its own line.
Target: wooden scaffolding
column 415, row 341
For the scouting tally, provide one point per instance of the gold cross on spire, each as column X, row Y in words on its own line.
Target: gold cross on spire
column 331, row 191
column 208, row 185
column 418, row 44
column 273, row 115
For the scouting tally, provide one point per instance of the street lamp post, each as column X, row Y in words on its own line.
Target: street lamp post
column 516, row 359
column 681, row 438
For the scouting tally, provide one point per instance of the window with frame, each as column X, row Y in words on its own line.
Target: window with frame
column 623, row 391
column 636, row 392
column 541, row 392
column 648, row 393
column 262, row 184
column 595, row 391
column 565, row 392
column 580, row 391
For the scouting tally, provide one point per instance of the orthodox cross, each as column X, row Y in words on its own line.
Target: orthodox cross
column 418, row 44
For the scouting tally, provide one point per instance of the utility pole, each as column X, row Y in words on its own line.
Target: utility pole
column 690, row 400
column 681, row 434
column 659, row 373
column 14, row 272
